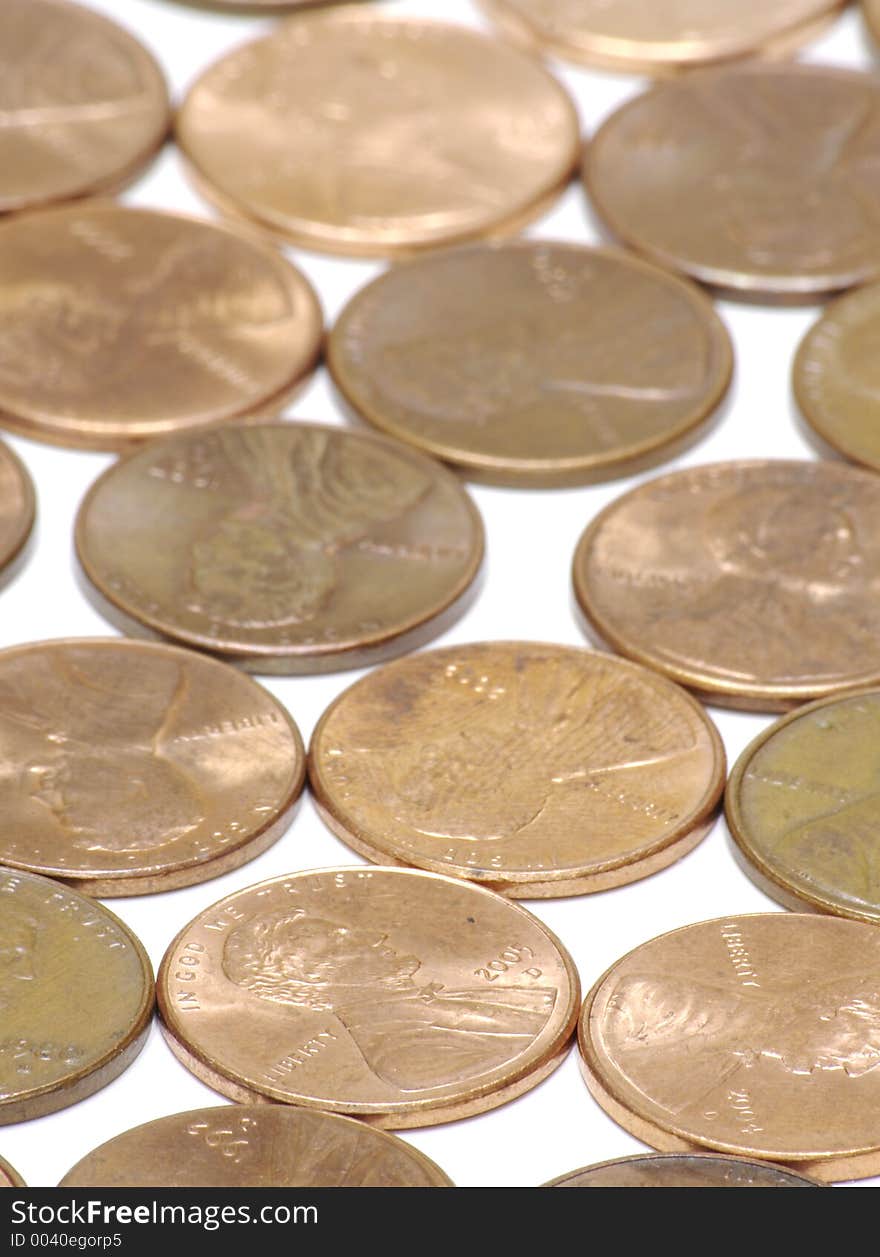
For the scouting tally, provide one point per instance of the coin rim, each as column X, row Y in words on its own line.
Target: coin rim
column 765, row 874
column 718, row 692
column 860, row 1162
column 606, row 874
column 745, row 283
column 346, row 241
column 640, row 1158
column 430, row 1168
column 402, row 1114
column 506, row 469
column 15, row 1179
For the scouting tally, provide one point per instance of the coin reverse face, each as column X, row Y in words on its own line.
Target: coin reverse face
column 754, row 583
column 758, row 178
column 662, row 36
column 84, row 105
column 17, row 509
column 353, row 132
column 802, row 804
column 129, row 767
column 387, row 994
column 287, row 548
column 757, row 1036
column 119, row 324
column 255, row 1146
column 538, row 770
column 836, row 381
column 682, row 1170
column 532, row 363
column 76, row 996
column 8, row 1176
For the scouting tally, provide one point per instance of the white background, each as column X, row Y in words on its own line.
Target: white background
column 531, row 537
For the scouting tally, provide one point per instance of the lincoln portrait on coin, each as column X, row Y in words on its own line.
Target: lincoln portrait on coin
column 412, row 1034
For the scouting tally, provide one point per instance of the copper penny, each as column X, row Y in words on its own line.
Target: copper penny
column 802, row 805
column 695, row 1169
column 283, row 547
column 18, row 507
column 258, row 1145
column 836, row 380
column 755, row 583
column 129, row 768
column 400, row 997
column 76, row 996
column 533, row 363
column 537, row 770
column 8, row 1176
column 83, row 105
column 120, row 324
column 756, row 178
column 757, row 1036
column 355, row 132
column 664, row 35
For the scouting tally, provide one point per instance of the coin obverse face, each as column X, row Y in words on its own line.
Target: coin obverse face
column 663, row 36
column 754, row 583
column 286, row 548
column 427, row 133
column 758, row 178
column 756, row 1036
column 76, row 996
column 388, row 994
column 120, row 324
column 132, row 767
column 537, row 770
column 533, row 363
column 84, row 105
column 682, row 1170
column 255, row 1146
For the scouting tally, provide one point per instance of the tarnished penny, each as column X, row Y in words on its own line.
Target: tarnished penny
column 18, row 508
column 802, row 805
column 755, row 583
column 537, row 770
column 76, row 996
column 356, row 132
column 283, row 547
column 395, row 996
column 128, row 767
column 259, row 1145
column 761, row 179
column 120, row 324
column 533, row 362
column 836, row 379
column 8, row 1176
column 663, row 35
column 83, row 105
column 695, row 1169
column 758, row 1036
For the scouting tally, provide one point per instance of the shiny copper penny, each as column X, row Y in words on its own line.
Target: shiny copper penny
column 259, row 1145
column 283, row 547
column 120, row 324
column 757, row 178
column 802, row 807
column 396, row 996
column 18, row 506
column 757, row 1036
column 533, row 363
column 695, row 1169
column 76, row 996
column 83, row 106
column 664, row 35
column 537, row 770
column 355, row 132
column 836, row 380
column 129, row 767
column 755, row 583
column 8, row 1176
